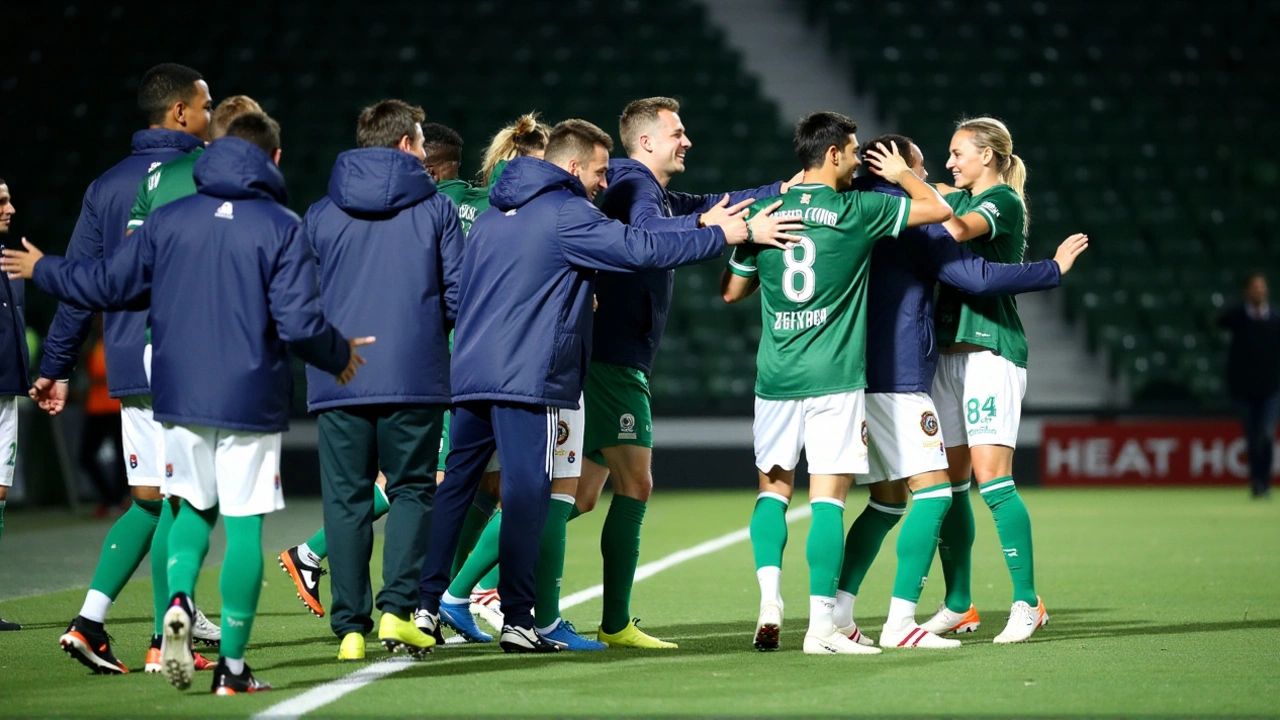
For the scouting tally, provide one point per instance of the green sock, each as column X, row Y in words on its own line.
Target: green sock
column 481, row 561
column 824, row 551
column 575, row 513
column 620, row 547
column 128, row 541
column 918, row 539
column 1013, row 525
column 546, row 607
column 241, row 582
column 472, row 528
column 955, row 549
column 319, row 544
column 188, row 545
column 2, row 504
column 863, row 542
column 769, row 530
column 160, row 564
column 490, row 579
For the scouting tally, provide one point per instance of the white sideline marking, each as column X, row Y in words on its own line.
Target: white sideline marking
column 317, row 698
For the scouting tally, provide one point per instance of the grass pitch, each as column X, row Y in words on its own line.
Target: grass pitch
column 1162, row 602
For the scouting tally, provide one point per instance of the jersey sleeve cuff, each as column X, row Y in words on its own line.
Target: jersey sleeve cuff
column 134, row 224
column 991, row 220
column 904, row 211
column 741, row 270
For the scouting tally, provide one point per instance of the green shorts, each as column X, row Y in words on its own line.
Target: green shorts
column 444, row 439
column 618, row 409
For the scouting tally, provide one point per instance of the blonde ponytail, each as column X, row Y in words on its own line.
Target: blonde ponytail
column 1016, row 177
column 989, row 132
column 524, row 137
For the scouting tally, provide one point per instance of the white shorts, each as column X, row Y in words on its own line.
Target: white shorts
column 9, row 438
column 237, row 472
column 979, row 399
column 143, row 440
column 905, row 437
column 568, row 460
column 831, row 429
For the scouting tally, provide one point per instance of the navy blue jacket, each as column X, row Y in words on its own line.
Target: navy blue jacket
column 99, row 231
column 15, row 373
column 634, row 306
column 390, row 252
column 902, row 347
column 524, row 313
column 231, row 281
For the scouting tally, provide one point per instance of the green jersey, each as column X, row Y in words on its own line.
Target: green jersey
column 162, row 185
column 989, row 322
column 814, row 296
column 475, row 200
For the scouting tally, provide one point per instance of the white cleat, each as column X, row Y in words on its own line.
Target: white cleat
column 486, row 605
column 204, row 631
column 835, row 643
column 945, row 621
column 853, row 633
column 768, row 627
column 915, row 636
column 1023, row 621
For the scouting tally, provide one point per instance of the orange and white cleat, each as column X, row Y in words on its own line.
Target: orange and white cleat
column 87, row 642
column 306, row 578
column 1023, row 621
column 154, row 664
column 945, row 621
column 486, row 605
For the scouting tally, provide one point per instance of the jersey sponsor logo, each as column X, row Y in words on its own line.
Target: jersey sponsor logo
column 799, row 320
column 133, row 462
column 929, row 423
column 821, row 216
column 562, row 433
column 990, row 207
column 864, row 433
column 225, row 211
column 805, row 198
column 627, row 427
column 467, row 212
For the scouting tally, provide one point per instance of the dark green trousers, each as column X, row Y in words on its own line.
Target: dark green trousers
column 357, row 441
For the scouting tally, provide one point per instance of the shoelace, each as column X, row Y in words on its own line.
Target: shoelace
column 569, row 625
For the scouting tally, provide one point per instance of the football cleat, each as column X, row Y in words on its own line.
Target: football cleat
column 945, row 621
column 153, row 665
column 486, row 605
column 306, row 579
column 632, row 636
column 516, row 639
column 225, row 683
column 457, row 617
column 205, row 632
column 7, row 626
column 853, row 633
column 1023, row 621
column 768, row 627
column 429, row 623
column 177, row 659
column 398, row 635
column 914, row 636
column 835, row 643
column 88, row 643
column 352, row 647
column 566, row 634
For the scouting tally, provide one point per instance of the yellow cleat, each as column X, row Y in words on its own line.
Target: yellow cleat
column 633, row 637
column 352, row 647
column 400, row 635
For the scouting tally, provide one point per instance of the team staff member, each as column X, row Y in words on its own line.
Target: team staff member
column 523, row 334
column 234, row 288
column 14, row 372
column 390, row 250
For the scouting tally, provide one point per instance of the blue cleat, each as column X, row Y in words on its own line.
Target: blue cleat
column 567, row 635
column 457, row 617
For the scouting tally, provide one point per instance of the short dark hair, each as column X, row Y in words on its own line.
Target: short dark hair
column 817, row 132
column 257, row 128
column 903, row 142
column 576, row 138
column 384, row 124
column 164, row 85
column 441, row 143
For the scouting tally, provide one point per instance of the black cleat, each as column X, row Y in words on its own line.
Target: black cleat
column 526, row 640
column 224, row 683
column 87, row 641
column 6, row 626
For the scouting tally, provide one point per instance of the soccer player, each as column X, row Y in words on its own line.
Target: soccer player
column 178, row 106
column 629, row 323
column 811, row 365
column 169, row 182
column 229, row 283
column 390, row 251
column 13, row 372
column 524, row 327
column 905, row 451
column 981, row 379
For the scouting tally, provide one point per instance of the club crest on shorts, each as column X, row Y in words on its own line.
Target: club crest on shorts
column 864, row 434
column 573, row 458
column 133, row 461
column 562, row 433
column 627, row 426
column 168, row 470
column 929, row 423
column 277, row 482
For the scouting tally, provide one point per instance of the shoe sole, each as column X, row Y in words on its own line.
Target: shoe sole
column 767, row 637
column 519, row 649
column 175, row 655
column 313, row 604
column 824, row 648
column 74, row 644
column 399, row 646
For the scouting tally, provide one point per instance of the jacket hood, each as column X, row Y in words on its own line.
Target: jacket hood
column 620, row 168
column 235, row 168
column 525, row 178
column 445, row 185
column 161, row 139
column 378, row 180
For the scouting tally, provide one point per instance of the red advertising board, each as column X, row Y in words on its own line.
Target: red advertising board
column 1210, row 452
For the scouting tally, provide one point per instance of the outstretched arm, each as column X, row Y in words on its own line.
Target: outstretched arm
column 122, row 282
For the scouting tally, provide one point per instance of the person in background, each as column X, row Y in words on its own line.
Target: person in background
column 14, row 368
column 1253, row 376
column 102, row 424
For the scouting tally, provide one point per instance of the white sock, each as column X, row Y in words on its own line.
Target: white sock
column 308, row 555
column 820, row 620
column 234, row 665
column 902, row 614
column 549, row 629
column 843, row 615
column 453, row 599
column 770, row 579
column 96, row 605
